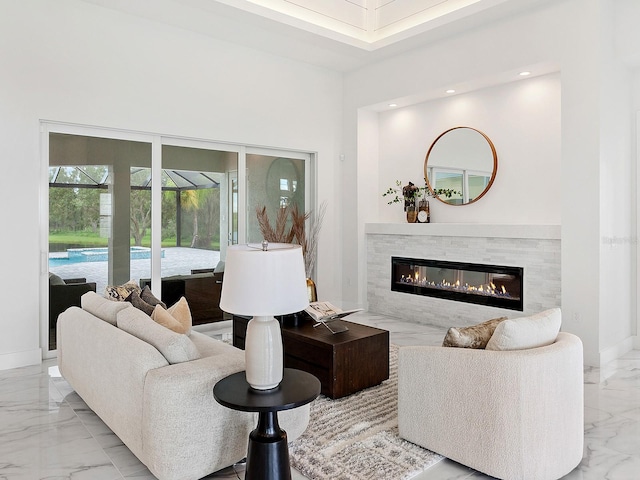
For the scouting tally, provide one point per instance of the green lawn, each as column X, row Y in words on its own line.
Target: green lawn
column 90, row 239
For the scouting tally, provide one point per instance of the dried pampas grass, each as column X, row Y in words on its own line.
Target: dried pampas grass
column 298, row 233
column 278, row 234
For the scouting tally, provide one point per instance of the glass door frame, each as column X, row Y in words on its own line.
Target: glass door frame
column 156, row 141
column 47, row 128
column 310, row 192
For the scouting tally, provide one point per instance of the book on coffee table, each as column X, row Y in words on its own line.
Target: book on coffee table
column 324, row 313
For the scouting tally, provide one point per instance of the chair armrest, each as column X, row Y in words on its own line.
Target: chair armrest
column 62, row 297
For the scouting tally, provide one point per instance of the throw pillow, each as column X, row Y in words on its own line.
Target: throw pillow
column 55, row 279
column 182, row 313
column 101, row 307
column 121, row 292
column 527, row 332
column 136, row 301
column 164, row 318
column 475, row 336
column 150, row 298
column 175, row 347
column 176, row 318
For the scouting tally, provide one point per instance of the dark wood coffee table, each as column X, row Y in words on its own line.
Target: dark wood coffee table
column 344, row 362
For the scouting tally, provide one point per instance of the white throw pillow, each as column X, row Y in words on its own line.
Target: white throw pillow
column 176, row 347
column 527, row 332
column 101, row 307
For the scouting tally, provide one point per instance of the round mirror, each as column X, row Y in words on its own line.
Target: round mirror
column 282, row 182
column 461, row 160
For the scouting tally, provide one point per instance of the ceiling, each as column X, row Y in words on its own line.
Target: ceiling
column 337, row 34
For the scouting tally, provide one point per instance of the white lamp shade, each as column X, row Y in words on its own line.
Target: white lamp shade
column 262, row 283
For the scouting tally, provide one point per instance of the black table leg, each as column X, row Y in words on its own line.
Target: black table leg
column 268, row 454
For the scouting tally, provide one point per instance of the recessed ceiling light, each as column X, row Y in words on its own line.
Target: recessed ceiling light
column 524, row 74
column 393, row 104
column 451, row 90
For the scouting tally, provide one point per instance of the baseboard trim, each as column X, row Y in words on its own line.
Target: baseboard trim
column 21, row 359
column 616, row 351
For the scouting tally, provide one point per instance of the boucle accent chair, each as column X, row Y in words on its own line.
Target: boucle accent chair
column 156, row 393
column 509, row 414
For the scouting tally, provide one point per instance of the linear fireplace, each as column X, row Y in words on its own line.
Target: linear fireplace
column 491, row 285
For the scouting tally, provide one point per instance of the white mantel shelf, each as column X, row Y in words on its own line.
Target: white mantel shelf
column 543, row 232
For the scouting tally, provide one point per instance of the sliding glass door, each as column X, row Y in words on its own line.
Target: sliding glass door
column 126, row 206
column 275, row 182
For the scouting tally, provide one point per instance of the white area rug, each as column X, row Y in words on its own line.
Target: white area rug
column 356, row 437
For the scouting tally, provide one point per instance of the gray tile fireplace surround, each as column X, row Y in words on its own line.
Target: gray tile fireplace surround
column 535, row 248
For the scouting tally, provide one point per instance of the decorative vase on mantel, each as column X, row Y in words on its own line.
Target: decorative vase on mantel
column 424, row 215
column 412, row 214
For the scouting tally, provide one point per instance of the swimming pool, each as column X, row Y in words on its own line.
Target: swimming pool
column 98, row 254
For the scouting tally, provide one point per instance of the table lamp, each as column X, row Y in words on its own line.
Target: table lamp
column 263, row 280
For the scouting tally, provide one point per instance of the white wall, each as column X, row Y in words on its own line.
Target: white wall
column 567, row 34
column 617, row 201
column 73, row 62
column 522, row 119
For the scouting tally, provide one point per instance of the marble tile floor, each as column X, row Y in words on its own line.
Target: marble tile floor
column 48, row 432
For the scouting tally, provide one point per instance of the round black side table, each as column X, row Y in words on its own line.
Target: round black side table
column 268, row 453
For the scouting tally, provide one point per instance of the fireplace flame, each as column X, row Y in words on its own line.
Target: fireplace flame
column 489, row 289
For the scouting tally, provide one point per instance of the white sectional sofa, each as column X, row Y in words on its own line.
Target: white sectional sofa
column 162, row 410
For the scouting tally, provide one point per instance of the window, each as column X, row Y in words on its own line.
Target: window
column 127, row 206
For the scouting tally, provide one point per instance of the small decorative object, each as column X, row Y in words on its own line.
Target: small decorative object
column 423, row 211
column 298, row 233
column 311, row 290
column 410, row 193
column 412, row 213
column 263, row 281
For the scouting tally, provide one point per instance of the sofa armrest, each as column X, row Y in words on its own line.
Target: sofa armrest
column 482, row 407
column 107, row 368
column 187, row 434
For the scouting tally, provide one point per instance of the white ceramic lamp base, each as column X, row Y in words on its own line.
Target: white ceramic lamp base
column 263, row 353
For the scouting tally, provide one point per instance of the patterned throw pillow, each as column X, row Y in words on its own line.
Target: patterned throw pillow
column 121, row 292
column 475, row 336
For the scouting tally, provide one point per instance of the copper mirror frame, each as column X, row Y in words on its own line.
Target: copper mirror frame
column 473, row 145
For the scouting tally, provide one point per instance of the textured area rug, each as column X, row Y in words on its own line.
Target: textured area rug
column 356, row 437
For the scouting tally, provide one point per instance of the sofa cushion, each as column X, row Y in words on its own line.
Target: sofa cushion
column 101, row 307
column 475, row 336
column 135, row 300
column 121, row 292
column 175, row 347
column 527, row 332
column 150, row 298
